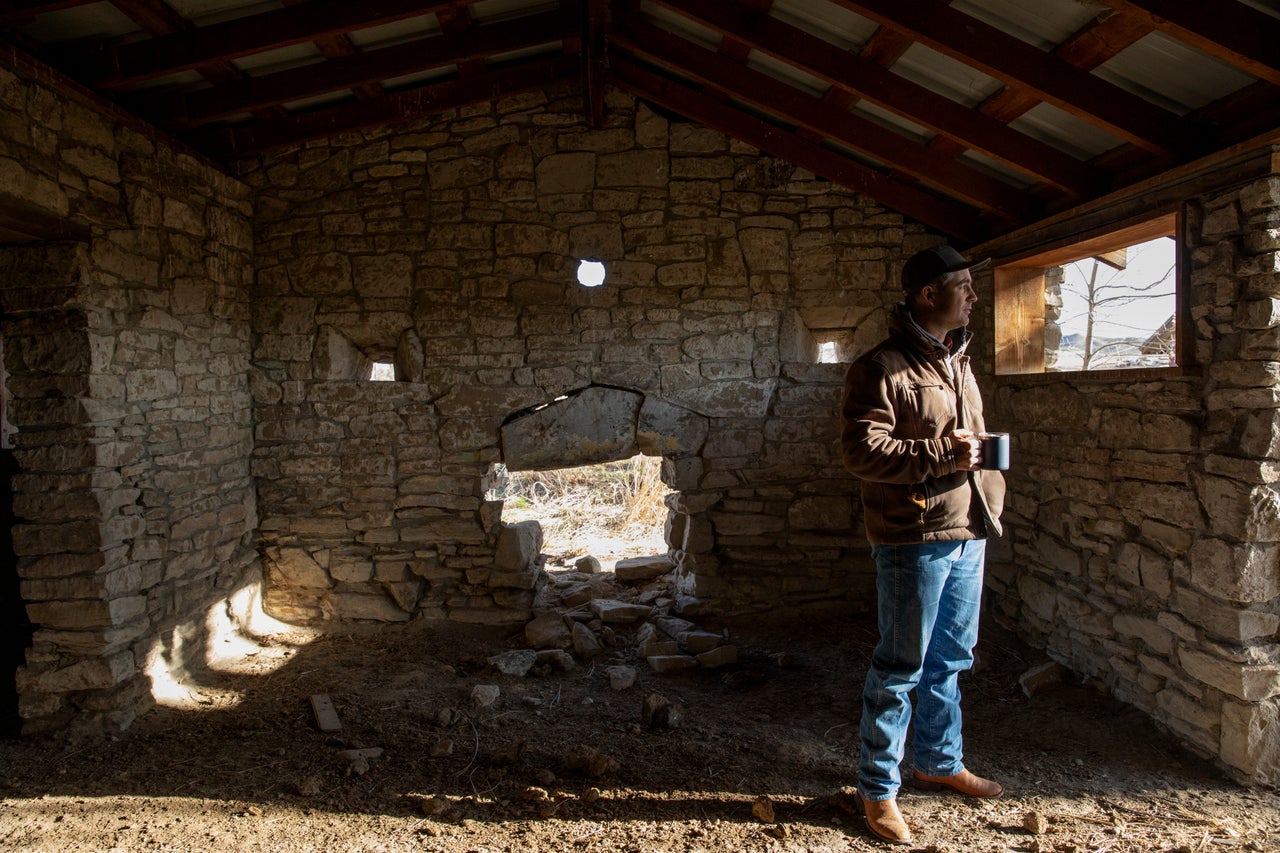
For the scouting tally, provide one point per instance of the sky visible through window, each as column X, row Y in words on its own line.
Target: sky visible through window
column 1129, row 305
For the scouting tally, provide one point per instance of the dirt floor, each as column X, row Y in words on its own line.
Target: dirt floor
column 754, row 757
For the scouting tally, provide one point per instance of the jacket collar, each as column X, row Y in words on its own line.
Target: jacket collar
column 903, row 325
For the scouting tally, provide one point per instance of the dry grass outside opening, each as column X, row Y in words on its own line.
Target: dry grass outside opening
column 611, row 511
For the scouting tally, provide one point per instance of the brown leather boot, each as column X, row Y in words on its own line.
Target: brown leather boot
column 964, row 782
column 885, row 821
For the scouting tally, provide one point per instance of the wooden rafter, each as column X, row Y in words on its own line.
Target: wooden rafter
column 947, row 216
column 1228, row 30
column 1017, row 63
column 159, row 19
column 810, row 113
column 192, row 109
column 595, row 23
column 401, row 106
column 116, row 66
column 861, row 78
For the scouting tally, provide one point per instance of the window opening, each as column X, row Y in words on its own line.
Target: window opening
column 383, row 371
column 827, row 352
column 590, row 273
column 1108, row 303
column 612, row 511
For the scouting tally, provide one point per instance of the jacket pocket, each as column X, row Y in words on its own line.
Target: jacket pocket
column 901, row 508
column 947, row 502
column 933, row 407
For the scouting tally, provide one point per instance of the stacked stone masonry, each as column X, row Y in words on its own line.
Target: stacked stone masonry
column 128, row 406
column 450, row 248
column 1144, row 546
column 190, row 404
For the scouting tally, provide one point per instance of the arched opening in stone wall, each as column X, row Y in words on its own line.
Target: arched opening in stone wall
column 601, row 425
column 592, row 515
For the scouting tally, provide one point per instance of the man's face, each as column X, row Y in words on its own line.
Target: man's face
column 953, row 300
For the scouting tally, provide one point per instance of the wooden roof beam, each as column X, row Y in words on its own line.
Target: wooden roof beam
column 812, row 114
column 396, row 107
column 192, row 109
column 862, row 78
column 1233, row 32
column 1017, row 63
column 949, row 217
column 595, row 24
column 115, row 66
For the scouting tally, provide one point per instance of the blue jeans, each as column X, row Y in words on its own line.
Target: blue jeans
column 928, row 600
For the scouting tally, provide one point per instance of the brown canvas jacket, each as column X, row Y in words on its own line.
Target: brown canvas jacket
column 899, row 404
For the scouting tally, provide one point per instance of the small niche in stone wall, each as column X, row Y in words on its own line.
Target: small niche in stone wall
column 826, row 335
column 382, row 371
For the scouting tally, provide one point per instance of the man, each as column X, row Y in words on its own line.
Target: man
column 911, row 411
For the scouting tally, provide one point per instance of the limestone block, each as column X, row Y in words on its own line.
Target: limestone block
column 684, row 473
column 406, row 594
column 351, row 568
column 659, row 648
column 335, row 357
column 351, row 605
column 1248, row 682
column 410, row 358
column 474, row 402
column 765, row 249
column 439, row 530
column 295, row 567
column 1038, row 597
column 515, row 662
column 639, row 569
column 697, row 642
column 1243, row 573
column 821, row 513
column 730, row 399
column 91, row 674
column 594, row 426
column 383, row 275
column 599, row 241
column 1232, row 623
column 548, row 632
column 646, row 168
column 518, row 546
column 557, row 659
column 1192, row 720
column 651, row 128
column 612, row 611
column 1251, row 740
column 585, row 643
column 518, row 238
column 328, row 273
column 1156, row 638
column 671, row 663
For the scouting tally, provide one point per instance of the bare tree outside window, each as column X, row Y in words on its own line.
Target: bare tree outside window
column 1117, row 309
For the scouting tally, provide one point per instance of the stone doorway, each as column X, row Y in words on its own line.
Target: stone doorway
column 601, row 424
column 607, row 512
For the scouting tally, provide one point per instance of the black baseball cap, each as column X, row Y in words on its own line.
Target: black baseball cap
column 926, row 265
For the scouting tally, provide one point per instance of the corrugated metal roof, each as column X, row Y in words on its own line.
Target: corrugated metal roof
column 1033, row 120
column 1174, row 75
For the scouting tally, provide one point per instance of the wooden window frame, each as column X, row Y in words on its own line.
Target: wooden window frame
column 1020, row 291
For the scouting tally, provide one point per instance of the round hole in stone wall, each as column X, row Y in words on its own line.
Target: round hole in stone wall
column 590, row 273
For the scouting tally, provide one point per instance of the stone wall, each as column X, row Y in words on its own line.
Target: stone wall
column 1143, row 514
column 450, row 247
column 127, row 357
